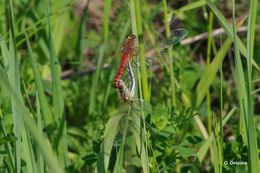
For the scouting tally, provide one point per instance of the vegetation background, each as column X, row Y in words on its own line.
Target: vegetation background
column 59, row 111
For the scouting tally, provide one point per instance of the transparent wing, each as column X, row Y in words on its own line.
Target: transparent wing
column 176, row 36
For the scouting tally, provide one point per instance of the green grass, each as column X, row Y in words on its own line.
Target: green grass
column 193, row 109
column 171, row 58
column 245, row 89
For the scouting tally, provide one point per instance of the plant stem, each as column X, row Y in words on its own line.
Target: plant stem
column 168, row 33
column 208, row 92
column 139, row 30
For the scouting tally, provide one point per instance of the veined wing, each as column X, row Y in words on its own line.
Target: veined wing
column 177, row 36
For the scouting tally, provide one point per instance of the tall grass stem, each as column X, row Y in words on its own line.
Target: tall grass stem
column 139, row 29
column 168, row 34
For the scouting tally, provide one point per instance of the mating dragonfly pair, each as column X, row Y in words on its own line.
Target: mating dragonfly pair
column 129, row 50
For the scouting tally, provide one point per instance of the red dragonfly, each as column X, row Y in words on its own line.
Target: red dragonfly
column 129, row 50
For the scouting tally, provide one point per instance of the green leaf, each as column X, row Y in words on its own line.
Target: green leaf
column 186, row 152
column 109, row 137
column 211, row 71
column 192, row 5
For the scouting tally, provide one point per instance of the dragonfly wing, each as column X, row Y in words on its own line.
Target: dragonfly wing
column 176, row 36
column 136, row 51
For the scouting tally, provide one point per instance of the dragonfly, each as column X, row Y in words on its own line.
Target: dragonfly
column 127, row 89
column 126, row 85
column 129, row 51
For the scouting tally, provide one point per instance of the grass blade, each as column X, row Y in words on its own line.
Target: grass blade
column 45, row 149
column 251, row 128
column 193, row 5
column 42, row 99
column 14, row 76
column 60, row 24
column 211, row 71
column 109, row 136
column 207, row 143
column 168, row 33
column 135, row 9
column 141, row 142
column 102, row 50
column 224, row 23
column 245, row 98
column 120, row 155
column 40, row 161
column 58, row 99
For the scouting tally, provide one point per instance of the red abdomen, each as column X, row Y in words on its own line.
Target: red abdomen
column 128, row 48
column 125, row 57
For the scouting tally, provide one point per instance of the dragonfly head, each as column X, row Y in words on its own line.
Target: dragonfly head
column 129, row 44
column 132, row 37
